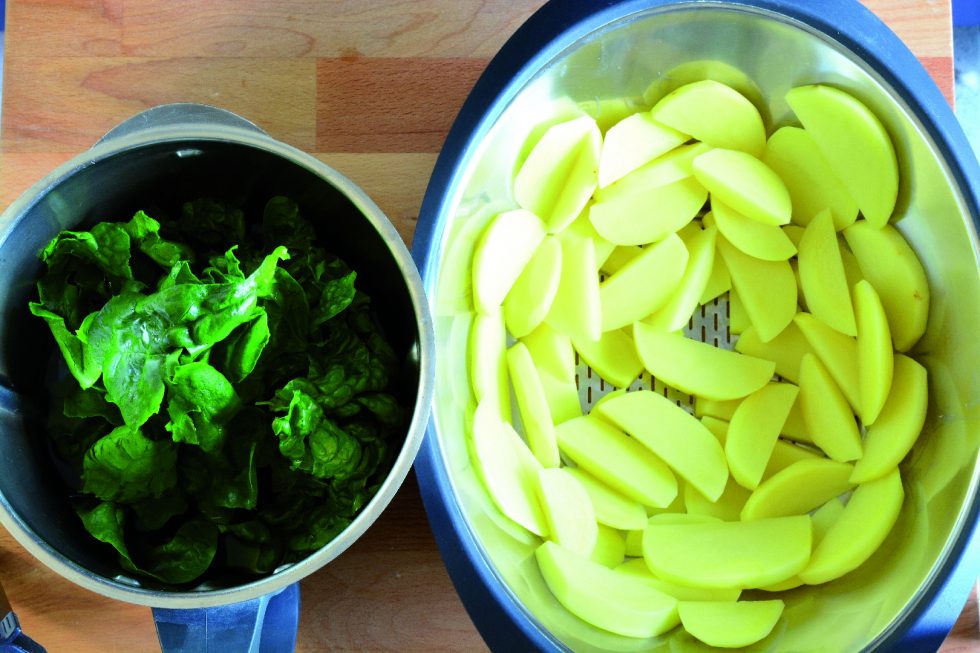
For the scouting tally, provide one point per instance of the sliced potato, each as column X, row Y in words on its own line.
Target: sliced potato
column 560, row 174
column 786, row 350
column 868, row 517
column 532, row 404
column 575, row 310
column 603, row 598
column 637, row 568
column 828, row 417
column 767, row 289
column 612, row 508
column 855, row 143
column 567, row 510
column 796, row 490
column 677, row 310
column 812, row 183
column 551, row 351
column 617, row 460
column 891, row 266
column 828, row 296
column 648, row 215
column 613, row 357
column 754, row 429
column 899, row 424
column 610, row 547
column 643, row 285
column 758, row 239
column 488, row 362
column 529, row 299
column 728, row 554
column 837, row 352
column 508, row 468
column 672, row 433
column 714, row 113
column 744, row 183
column 875, row 356
column 500, row 255
column 730, row 624
column 698, row 368
column 632, row 142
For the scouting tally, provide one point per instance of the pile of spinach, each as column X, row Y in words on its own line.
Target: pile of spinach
column 231, row 403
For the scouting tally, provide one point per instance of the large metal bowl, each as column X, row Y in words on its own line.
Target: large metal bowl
column 170, row 154
column 574, row 55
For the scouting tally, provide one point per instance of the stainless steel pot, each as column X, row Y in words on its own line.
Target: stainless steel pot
column 165, row 154
column 575, row 56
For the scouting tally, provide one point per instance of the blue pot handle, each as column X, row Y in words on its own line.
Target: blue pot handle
column 267, row 624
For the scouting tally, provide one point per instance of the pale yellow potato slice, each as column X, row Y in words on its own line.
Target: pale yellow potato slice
column 617, row 460
column 529, row 299
column 867, row 519
column 620, row 256
column 698, row 368
column 754, row 429
column 785, row 454
column 767, row 289
column 575, row 310
column 744, row 183
column 488, row 362
column 719, row 281
column 676, row 312
column 888, row 262
column 532, row 404
column 560, row 174
column 567, row 511
column 755, row 238
column 727, row 507
column 796, row 490
column 648, row 215
column 730, row 624
column 738, row 317
column 823, row 518
column 899, row 424
column 786, row 350
column 610, row 547
column 837, row 352
column 667, row 169
column 500, row 255
column 613, row 357
column 728, row 554
column 812, row 184
column 612, row 508
column 632, row 142
column 794, row 428
column 643, row 285
column 828, row 297
column 607, row 397
column 637, row 568
column 699, row 70
column 875, row 356
column 852, row 270
column 603, row 598
column 828, row 417
column 454, row 294
column 582, row 226
column 674, row 435
column 855, row 144
column 551, row 351
column 714, row 113
column 508, row 468
column 562, row 396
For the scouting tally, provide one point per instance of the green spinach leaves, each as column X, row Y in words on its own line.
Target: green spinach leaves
column 230, row 399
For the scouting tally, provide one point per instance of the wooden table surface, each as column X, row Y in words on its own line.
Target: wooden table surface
column 371, row 88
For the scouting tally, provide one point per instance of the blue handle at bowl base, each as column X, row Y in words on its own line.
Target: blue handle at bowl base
column 267, row 624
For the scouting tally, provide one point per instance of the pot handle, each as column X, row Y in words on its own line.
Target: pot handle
column 179, row 113
column 267, row 624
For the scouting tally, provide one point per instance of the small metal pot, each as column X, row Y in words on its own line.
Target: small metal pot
column 575, row 55
column 174, row 153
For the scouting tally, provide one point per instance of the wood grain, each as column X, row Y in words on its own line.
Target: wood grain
column 369, row 87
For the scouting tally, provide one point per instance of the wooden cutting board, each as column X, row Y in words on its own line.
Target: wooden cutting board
column 370, row 88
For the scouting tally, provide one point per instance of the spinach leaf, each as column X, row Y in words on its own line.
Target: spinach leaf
column 126, row 466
